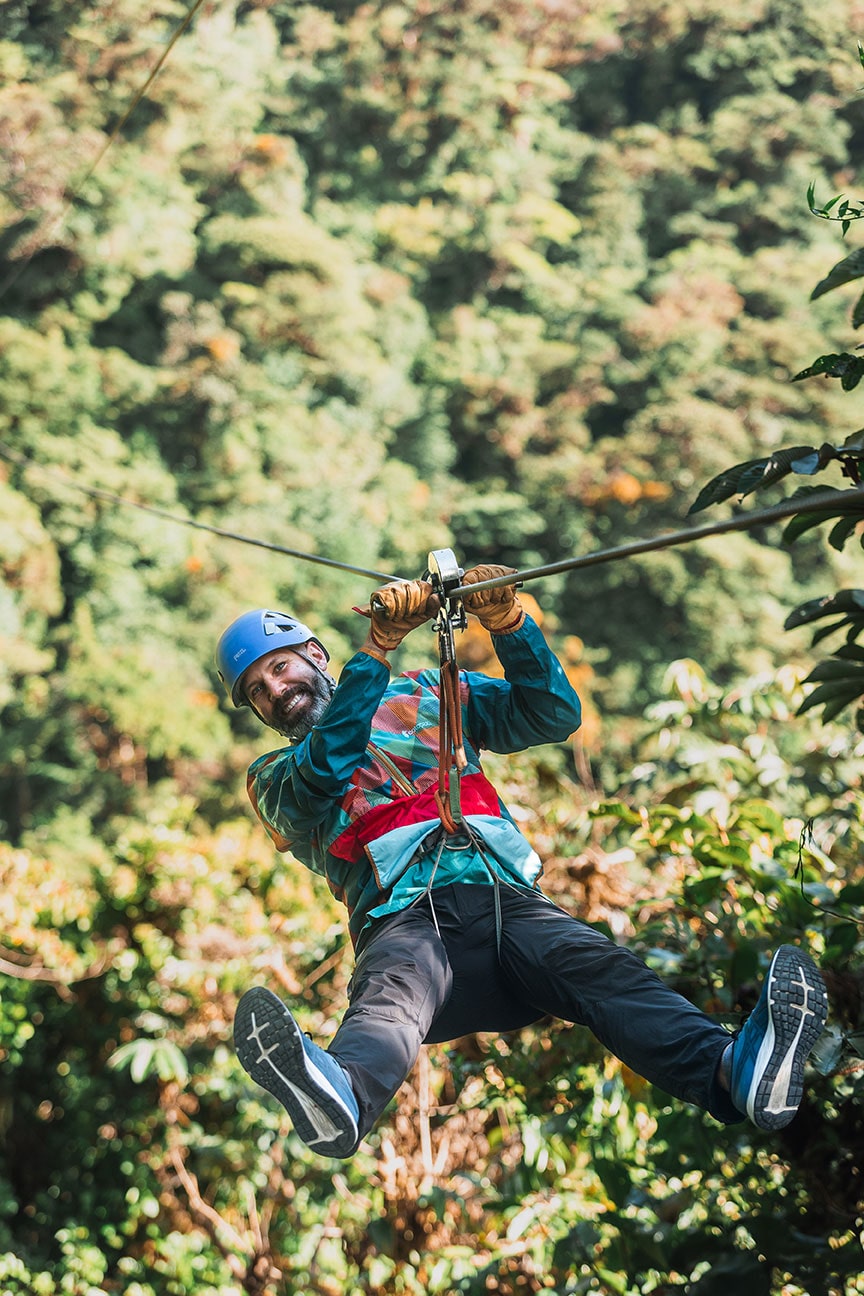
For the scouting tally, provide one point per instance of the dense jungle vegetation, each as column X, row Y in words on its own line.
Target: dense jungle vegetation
column 363, row 280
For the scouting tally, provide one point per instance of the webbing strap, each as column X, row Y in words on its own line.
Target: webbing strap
column 451, row 755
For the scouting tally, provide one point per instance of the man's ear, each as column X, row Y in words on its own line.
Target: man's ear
column 316, row 654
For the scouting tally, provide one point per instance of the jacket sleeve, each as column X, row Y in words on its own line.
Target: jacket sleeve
column 534, row 703
column 293, row 790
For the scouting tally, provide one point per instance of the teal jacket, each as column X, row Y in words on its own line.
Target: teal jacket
column 354, row 799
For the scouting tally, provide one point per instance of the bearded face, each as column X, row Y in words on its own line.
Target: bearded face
column 289, row 690
column 297, row 712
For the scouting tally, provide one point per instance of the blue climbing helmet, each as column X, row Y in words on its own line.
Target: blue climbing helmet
column 250, row 637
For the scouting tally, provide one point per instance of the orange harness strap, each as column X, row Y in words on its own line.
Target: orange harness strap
column 452, row 751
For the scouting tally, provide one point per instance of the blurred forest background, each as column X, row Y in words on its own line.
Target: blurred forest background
column 365, row 280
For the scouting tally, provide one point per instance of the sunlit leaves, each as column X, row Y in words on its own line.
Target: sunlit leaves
column 144, row 1057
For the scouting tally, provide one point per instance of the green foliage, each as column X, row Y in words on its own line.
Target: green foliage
column 848, row 368
column 344, row 274
column 137, row 1154
column 365, row 281
column 845, row 211
column 838, row 681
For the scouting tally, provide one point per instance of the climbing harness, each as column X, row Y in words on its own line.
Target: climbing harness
column 444, row 575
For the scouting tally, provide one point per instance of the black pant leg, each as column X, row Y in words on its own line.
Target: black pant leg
column 401, row 980
column 566, row 968
column 481, row 999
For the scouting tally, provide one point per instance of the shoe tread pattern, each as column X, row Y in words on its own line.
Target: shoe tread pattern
column 798, row 1006
column 269, row 1045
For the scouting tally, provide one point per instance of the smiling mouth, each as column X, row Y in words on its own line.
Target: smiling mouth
column 286, row 706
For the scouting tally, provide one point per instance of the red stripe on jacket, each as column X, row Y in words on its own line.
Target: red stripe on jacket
column 478, row 796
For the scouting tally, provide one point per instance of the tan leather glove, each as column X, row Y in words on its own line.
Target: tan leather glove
column 499, row 610
column 396, row 609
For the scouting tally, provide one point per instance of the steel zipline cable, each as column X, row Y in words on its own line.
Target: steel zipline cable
column 96, row 492
column 826, row 501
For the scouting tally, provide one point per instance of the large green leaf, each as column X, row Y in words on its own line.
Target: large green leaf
column 801, row 523
column 833, row 698
column 849, row 602
column 851, row 267
column 746, row 477
column 852, row 625
column 842, row 530
column 834, row 669
column 858, row 312
column 804, row 521
column 843, row 365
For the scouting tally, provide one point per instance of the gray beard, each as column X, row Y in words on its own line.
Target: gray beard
column 322, row 688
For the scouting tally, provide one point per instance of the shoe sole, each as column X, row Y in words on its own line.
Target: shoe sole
column 269, row 1044
column 797, row 1009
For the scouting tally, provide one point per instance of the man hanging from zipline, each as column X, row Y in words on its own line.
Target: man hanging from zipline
column 450, row 931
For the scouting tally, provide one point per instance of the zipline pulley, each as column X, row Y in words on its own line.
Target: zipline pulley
column 444, row 575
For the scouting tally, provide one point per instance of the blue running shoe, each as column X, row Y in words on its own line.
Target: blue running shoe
column 768, row 1055
column 310, row 1084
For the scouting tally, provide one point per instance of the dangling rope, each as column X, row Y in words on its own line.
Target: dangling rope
column 805, row 843
column 443, row 572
